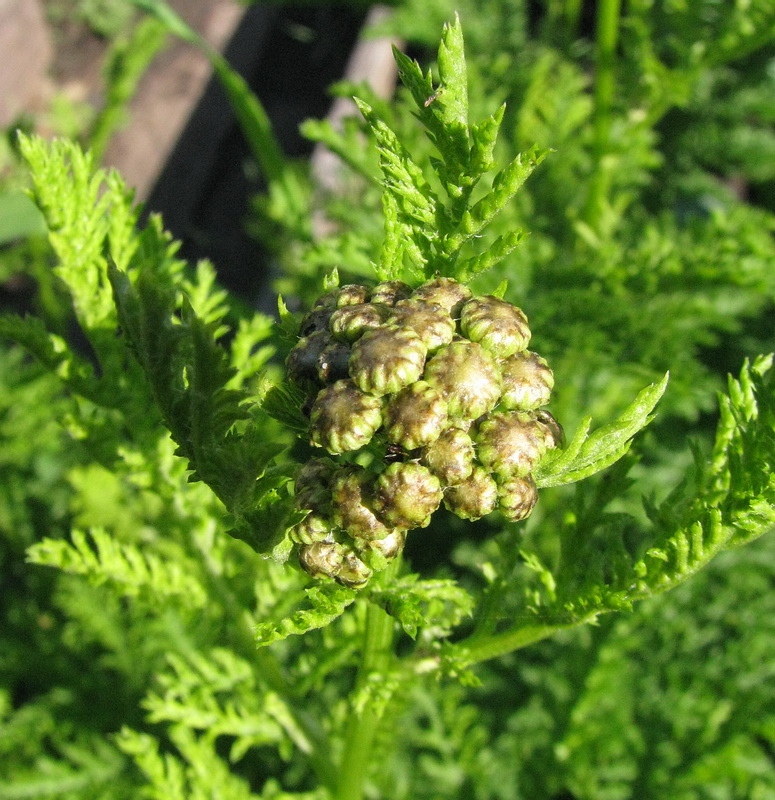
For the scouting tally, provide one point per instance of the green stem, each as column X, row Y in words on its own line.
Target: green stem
column 483, row 647
column 362, row 725
column 606, row 36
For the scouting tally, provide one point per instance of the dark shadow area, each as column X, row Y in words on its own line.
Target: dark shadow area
column 289, row 56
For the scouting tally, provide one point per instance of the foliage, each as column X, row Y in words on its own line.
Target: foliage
column 149, row 445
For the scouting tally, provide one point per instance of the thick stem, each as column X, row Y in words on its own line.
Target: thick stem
column 363, row 724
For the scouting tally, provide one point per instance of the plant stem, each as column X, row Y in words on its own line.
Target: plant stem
column 606, row 36
column 362, row 725
column 483, row 647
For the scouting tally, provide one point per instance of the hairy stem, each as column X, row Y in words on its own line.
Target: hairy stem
column 363, row 724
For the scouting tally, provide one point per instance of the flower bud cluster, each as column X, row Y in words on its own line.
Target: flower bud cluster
column 443, row 384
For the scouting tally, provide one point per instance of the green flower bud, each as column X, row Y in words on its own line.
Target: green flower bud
column 348, row 323
column 312, row 484
column 327, row 300
column 313, row 528
column 473, row 498
column 415, row 416
column 343, row 418
column 302, row 362
column 386, row 359
column 517, row 497
column 499, row 326
column 316, row 320
column 406, row 494
column 333, row 362
column 391, row 545
column 378, row 553
column 429, row 321
column 333, row 560
column 450, row 457
column 509, row 442
column 467, row 376
column 352, row 502
column 554, row 435
column 351, row 294
column 527, row 381
column 445, row 292
column 353, row 572
column 321, row 558
column 390, row 292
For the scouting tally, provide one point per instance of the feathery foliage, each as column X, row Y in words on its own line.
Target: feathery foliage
column 158, row 643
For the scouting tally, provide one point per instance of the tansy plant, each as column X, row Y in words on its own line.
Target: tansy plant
column 263, row 491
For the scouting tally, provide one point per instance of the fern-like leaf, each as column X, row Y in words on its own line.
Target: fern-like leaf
column 327, row 602
column 125, row 566
column 587, row 454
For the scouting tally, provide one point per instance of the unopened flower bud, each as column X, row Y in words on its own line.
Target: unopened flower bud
column 429, row 321
column 406, row 494
column 343, row 418
column 327, row 300
column 390, row 292
column 391, row 545
column 348, row 323
column 386, row 359
column 302, row 363
column 509, row 442
column 351, row 294
column 450, row 457
column 353, row 572
column 313, row 528
column 473, row 498
column 352, row 501
column 527, row 381
column 554, row 435
column 316, row 320
column 312, row 484
column 467, row 376
column 445, row 292
column 415, row 416
column 333, row 362
column 333, row 560
column 517, row 497
column 321, row 558
column 499, row 326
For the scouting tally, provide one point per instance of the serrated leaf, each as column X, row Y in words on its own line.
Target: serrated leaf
column 586, row 455
column 327, row 602
column 483, row 139
column 505, row 185
column 129, row 569
column 417, row 604
column 467, row 270
column 453, row 77
column 284, row 402
column 402, row 177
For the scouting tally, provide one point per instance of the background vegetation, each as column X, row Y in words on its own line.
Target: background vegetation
column 129, row 664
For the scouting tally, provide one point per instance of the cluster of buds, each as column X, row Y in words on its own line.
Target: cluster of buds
column 438, row 383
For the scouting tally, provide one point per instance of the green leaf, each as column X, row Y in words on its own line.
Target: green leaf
column 439, row 605
column 128, row 568
column 585, row 455
column 19, row 217
column 327, row 602
column 468, row 269
column 483, row 137
column 402, row 177
column 505, row 185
